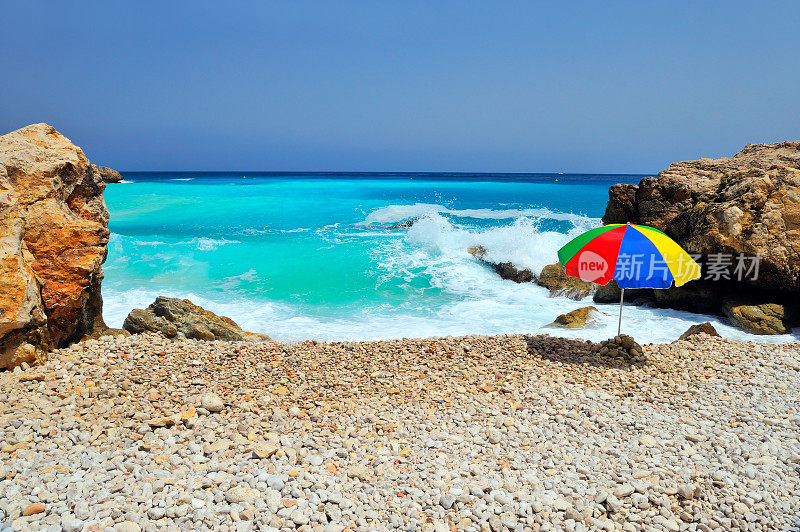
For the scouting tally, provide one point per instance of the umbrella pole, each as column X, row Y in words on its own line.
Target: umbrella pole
column 619, row 324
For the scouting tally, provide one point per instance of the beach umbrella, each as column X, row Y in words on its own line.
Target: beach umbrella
column 635, row 256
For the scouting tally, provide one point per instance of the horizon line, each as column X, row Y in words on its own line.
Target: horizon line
column 382, row 172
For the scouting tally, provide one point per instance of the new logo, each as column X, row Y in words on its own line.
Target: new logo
column 591, row 266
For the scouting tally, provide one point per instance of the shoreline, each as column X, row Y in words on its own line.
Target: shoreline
column 276, row 324
column 509, row 431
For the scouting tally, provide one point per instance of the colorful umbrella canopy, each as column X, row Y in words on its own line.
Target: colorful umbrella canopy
column 635, row 256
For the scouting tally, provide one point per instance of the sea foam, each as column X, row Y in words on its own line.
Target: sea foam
column 398, row 213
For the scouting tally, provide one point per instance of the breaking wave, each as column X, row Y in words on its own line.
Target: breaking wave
column 399, row 213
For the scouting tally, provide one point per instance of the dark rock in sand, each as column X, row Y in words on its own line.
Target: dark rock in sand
column 171, row 316
column 622, row 348
column 506, row 270
column 758, row 318
column 574, row 320
column 699, row 328
column 562, row 285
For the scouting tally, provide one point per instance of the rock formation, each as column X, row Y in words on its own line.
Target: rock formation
column 747, row 204
column 758, row 318
column 180, row 317
column 698, row 328
column 109, row 175
column 576, row 319
column 622, row 348
column 506, row 270
column 562, row 285
column 53, row 237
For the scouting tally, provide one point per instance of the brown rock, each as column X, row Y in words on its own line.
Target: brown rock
column 199, row 332
column 265, row 450
column 764, row 318
column 170, row 316
column 109, row 175
column 506, row 270
column 163, row 421
column 28, row 377
column 575, row 319
column 33, row 509
column 698, row 328
column 562, row 285
column 622, row 203
column 53, row 237
column 748, row 204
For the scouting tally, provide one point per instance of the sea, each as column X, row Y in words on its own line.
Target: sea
column 320, row 255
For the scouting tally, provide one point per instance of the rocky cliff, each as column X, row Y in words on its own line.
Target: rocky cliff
column 53, row 237
column 747, row 204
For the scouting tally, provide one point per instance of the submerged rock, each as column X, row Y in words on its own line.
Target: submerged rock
column 405, row 224
column 562, row 285
column 574, row 320
column 53, row 238
column 699, row 328
column 755, row 318
column 506, row 270
column 171, row 316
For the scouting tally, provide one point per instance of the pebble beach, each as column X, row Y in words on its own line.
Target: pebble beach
column 470, row 433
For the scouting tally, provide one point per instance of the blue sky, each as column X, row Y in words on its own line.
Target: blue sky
column 406, row 86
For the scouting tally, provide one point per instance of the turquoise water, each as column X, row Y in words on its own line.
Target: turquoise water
column 310, row 256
